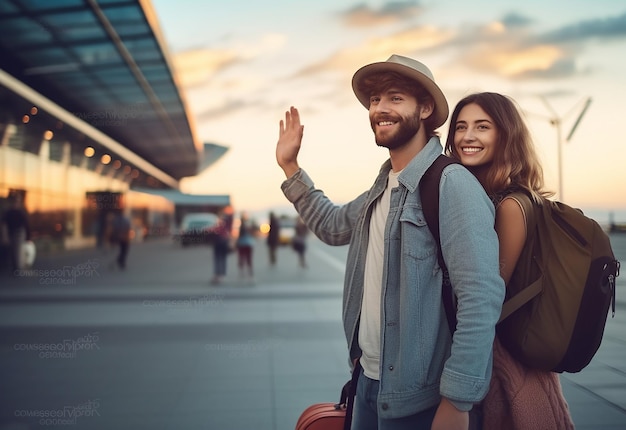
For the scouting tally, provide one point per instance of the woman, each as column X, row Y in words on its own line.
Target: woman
column 245, row 248
column 488, row 135
column 221, row 247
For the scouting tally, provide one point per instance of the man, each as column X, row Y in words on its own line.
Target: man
column 273, row 237
column 15, row 219
column 121, row 235
column 414, row 374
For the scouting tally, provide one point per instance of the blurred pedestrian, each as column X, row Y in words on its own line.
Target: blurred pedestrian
column 299, row 241
column 15, row 220
column 120, row 236
column 245, row 248
column 273, row 237
column 222, row 236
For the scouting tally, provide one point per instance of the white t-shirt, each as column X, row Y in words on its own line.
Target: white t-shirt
column 369, row 327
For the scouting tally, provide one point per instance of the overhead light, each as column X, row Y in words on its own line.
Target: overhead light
column 89, row 152
column 53, row 68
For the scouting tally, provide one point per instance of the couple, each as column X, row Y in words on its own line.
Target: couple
column 414, row 374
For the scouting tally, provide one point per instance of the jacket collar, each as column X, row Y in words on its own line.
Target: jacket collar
column 413, row 172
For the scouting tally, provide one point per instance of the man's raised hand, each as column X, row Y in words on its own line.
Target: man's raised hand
column 289, row 141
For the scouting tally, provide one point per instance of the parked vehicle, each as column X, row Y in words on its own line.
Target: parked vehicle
column 287, row 230
column 194, row 228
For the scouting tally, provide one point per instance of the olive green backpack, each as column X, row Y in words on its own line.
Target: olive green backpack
column 558, row 298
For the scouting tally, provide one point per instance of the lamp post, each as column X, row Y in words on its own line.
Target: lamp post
column 557, row 121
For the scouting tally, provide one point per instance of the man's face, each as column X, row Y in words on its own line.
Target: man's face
column 394, row 117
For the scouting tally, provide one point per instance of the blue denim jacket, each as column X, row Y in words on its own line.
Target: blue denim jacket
column 419, row 360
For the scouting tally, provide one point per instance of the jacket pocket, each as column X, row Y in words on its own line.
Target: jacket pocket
column 417, row 241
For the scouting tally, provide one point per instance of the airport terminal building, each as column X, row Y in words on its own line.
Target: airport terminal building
column 92, row 120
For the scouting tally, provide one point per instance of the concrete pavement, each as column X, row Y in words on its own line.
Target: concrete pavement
column 157, row 347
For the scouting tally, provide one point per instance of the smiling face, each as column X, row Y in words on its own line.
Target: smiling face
column 475, row 136
column 395, row 117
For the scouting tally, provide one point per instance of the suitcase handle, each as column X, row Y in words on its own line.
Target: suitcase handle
column 348, row 392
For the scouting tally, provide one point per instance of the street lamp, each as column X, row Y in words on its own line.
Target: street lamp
column 556, row 121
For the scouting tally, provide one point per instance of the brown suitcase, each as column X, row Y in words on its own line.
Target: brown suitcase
column 332, row 416
column 322, row 416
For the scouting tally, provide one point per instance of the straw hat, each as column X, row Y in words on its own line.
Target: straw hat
column 412, row 69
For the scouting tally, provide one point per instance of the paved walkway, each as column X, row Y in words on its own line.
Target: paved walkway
column 176, row 353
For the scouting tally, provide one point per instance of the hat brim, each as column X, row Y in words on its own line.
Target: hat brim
column 440, row 113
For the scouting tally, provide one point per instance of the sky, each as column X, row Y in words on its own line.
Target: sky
column 242, row 63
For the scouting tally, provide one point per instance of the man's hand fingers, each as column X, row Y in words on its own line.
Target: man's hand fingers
column 295, row 118
column 291, row 124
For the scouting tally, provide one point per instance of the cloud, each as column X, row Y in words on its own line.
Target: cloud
column 508, row 47
column 406, row 42
column 603, row 28
column 243, row 77
column 226, row 108
column 328, row 73
column 514, row 19
column 363, row 16
column 506, row 59
column 558, row 68
column 195, row 67
column 200, row 66
column 267, row 44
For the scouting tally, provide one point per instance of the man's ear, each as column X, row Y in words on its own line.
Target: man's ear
column 426, row 110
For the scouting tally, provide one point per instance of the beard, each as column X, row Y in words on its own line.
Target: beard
column 407, row 127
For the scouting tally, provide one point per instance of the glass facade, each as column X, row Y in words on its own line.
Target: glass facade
column 90, row 111
column 69, row 184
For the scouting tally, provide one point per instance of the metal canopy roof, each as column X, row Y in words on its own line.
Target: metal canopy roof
column 104, row 61
column 182, row 199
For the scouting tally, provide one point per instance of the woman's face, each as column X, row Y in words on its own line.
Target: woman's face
column 475, row 136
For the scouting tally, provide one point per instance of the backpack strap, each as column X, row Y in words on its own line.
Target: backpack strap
column 531, row 291
column 521, row 298
column 429, row 192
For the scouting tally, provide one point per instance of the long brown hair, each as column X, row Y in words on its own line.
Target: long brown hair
column 515, row 164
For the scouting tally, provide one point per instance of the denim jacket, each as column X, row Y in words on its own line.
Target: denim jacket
column 420, row 362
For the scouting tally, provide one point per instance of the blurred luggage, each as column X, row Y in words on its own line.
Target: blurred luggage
column 28, row 253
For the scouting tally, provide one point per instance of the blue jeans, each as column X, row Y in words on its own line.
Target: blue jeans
column 220, row 253
column 365, row 417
